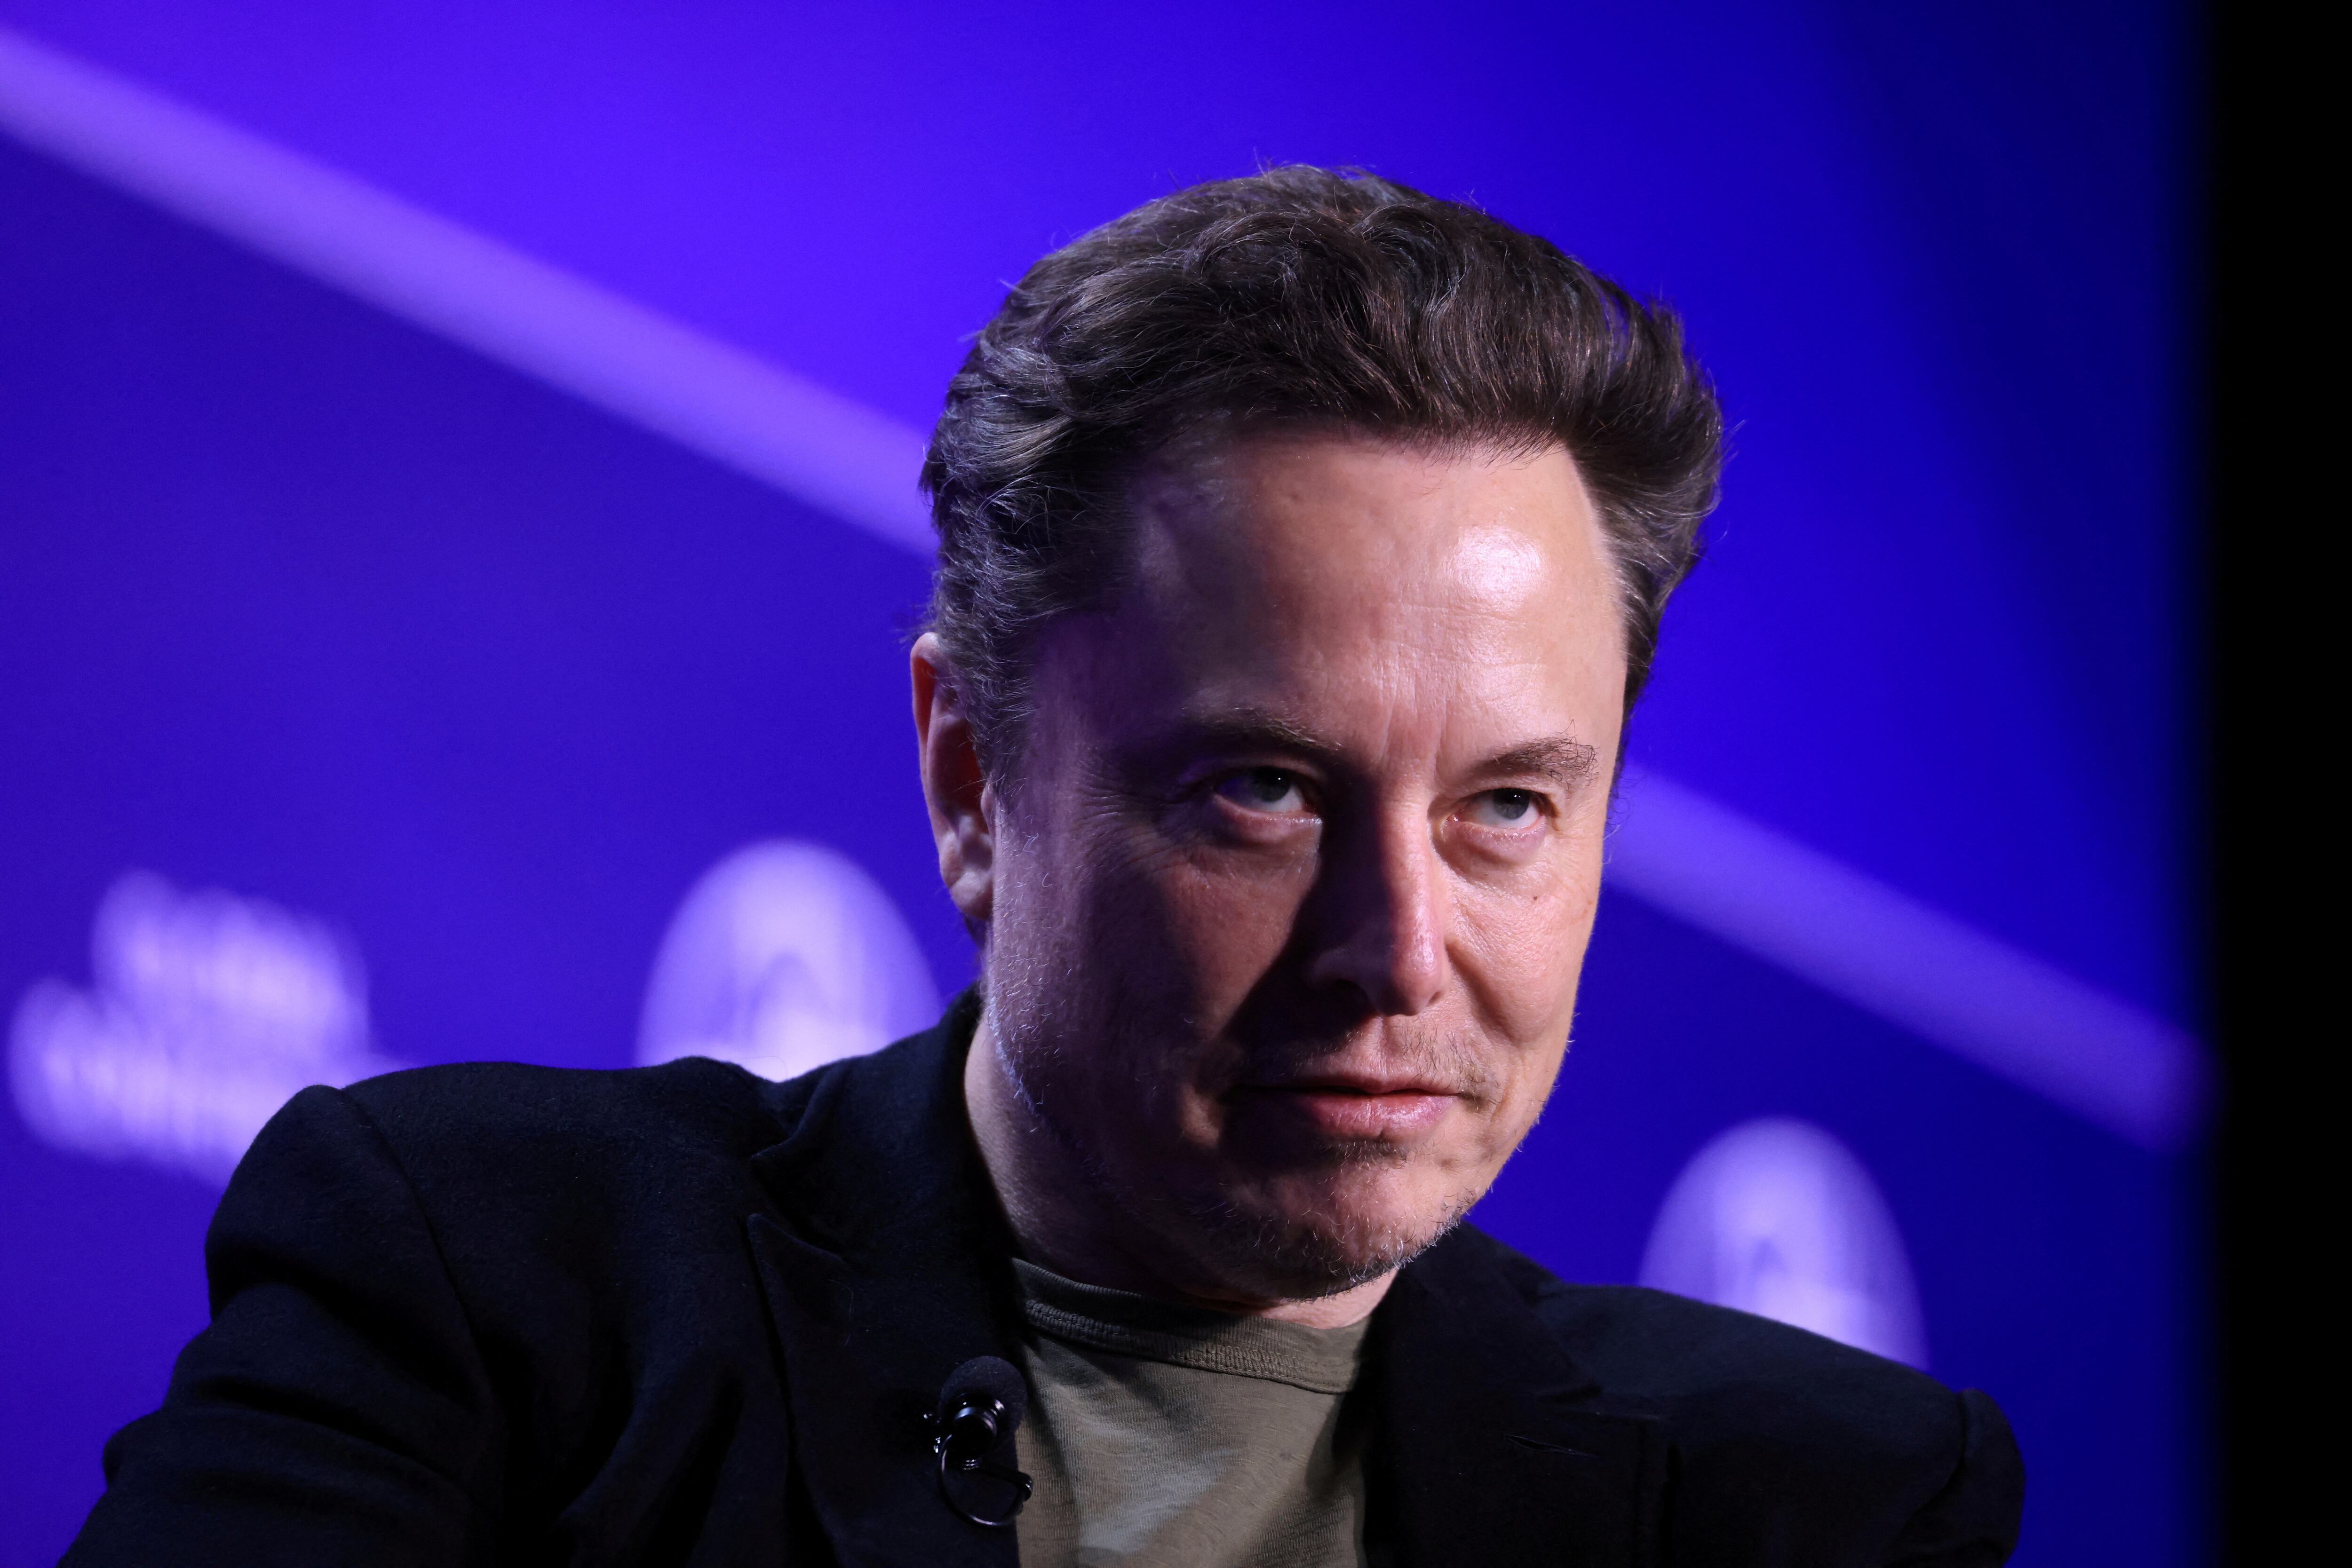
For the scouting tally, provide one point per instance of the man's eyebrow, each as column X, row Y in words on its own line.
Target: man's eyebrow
column 1566, row 762
column 1563, row 759
column 1251, row 729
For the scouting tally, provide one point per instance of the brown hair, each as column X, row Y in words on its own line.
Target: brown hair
column 1296, row 294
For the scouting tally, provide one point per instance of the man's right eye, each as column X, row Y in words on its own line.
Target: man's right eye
column 1268, row 789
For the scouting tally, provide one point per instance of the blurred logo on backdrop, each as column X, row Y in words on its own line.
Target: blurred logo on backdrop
column 784, row 957
column 1779, row 1218
column 206, row 1013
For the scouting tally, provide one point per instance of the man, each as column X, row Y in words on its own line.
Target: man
column 1303, row 542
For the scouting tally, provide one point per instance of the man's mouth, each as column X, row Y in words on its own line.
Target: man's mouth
column 1355, row 1109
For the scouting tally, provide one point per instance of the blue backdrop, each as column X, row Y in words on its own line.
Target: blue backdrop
column 303, row 601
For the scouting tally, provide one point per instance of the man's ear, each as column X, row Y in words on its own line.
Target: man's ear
column 962, row 806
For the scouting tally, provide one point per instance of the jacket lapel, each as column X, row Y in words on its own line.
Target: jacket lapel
column 1492, row 1446
column 884, row 1269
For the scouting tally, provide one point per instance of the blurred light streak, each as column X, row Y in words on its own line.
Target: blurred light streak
column 717, row 400
column 1877, row 948
column 1887, row 953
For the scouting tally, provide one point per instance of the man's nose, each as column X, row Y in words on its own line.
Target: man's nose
column 1380, row 915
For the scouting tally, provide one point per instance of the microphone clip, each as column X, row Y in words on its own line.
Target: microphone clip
column 966, row 1429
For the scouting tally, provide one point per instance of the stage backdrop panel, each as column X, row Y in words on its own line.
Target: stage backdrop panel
column 364, row 703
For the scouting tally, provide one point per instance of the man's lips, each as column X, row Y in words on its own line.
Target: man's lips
column 1355, row 1109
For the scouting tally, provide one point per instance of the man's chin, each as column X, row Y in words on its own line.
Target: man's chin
column 1294, row 1252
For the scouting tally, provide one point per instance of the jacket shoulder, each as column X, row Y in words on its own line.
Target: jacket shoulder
column 1757, row 1410
column 1649, row 1346
column 627, row 1113
column 567, row 1161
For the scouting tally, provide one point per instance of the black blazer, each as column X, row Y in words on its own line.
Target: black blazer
column 500, row 1314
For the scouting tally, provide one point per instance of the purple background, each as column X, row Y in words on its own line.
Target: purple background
column 297, row 600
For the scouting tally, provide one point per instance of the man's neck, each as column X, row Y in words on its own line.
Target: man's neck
column 1064, row 1225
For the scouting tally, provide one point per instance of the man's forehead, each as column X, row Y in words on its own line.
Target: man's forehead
column 1356, row 599
column 1339, row 523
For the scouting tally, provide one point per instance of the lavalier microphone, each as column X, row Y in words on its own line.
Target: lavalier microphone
column 980, row 1407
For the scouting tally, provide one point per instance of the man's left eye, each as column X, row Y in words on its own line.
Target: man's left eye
column 1505, row 809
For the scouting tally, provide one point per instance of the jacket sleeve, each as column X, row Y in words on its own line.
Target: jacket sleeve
column 1973, row 1521
column 337, row 1410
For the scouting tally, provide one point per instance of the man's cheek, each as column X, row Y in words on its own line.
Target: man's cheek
column 1526, row 959
column 1226, row 930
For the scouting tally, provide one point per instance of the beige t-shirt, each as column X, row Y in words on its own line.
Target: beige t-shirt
column 1169, row 1436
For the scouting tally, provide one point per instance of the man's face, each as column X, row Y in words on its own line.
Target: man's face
column 1291, row 891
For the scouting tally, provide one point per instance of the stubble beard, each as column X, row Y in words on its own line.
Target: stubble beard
column 1252, row 1248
